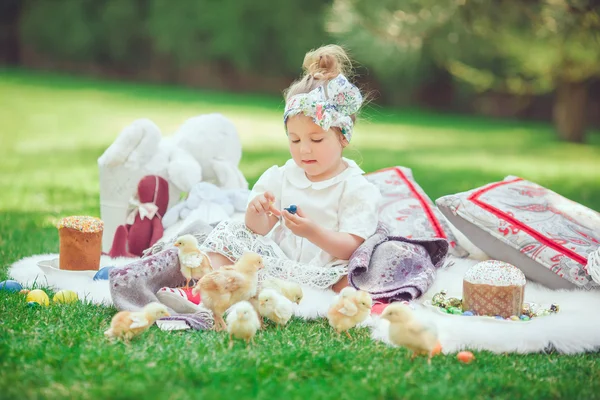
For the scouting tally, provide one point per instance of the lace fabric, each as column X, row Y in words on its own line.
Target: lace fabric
column 197, row 228
column 232, row 239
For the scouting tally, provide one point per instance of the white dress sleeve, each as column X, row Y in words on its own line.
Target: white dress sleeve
column 359, row 208
column 270, row 181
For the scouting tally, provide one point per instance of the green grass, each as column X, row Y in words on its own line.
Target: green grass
column 53, row 129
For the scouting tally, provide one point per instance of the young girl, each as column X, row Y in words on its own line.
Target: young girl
column 336, row 205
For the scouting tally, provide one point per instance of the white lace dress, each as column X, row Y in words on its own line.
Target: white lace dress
column 344, row 203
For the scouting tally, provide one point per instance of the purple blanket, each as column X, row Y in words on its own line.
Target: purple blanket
column 394, row 268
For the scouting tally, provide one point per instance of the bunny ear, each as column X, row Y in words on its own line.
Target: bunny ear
column 344, row 96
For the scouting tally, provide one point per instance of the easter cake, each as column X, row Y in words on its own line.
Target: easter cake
column 80, row 243
column 494, row 288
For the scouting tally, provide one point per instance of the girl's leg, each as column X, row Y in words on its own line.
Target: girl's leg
column 217, row 260
column 339, row 285
column 227, row 243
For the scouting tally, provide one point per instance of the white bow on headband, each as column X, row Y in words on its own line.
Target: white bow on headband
column 328, row 105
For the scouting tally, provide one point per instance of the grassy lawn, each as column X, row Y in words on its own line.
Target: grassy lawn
column 54, row 128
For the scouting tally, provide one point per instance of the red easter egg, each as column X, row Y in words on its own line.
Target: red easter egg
column 465, row 357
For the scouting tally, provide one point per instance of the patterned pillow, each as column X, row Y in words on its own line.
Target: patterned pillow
column 408, row 211
column 549, row 237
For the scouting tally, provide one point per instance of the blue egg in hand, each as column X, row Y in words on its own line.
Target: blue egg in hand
column 11, row 286
column 102, row 274
column 292, row 209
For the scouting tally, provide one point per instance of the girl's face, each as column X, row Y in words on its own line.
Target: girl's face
column 316, row 151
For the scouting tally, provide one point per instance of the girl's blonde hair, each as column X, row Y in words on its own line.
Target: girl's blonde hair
column 320, row 66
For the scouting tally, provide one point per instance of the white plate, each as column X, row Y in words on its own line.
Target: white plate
column 50, row 268
column 427, row 303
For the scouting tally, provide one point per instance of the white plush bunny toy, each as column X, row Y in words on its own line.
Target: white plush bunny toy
column 206, row 148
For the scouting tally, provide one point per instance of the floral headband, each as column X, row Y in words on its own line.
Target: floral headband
column 328, row 105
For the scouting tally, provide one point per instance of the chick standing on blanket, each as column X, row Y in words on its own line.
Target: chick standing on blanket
column 127, row 324
column 350, row 308
column 406, row 330
column 193, row 262
column 275, row 306
column 291, row 290
column 228, row 285
column 242, row 322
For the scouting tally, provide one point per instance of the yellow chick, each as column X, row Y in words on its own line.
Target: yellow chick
column 228, row 285
column 128, row 324
column 275, row 306
column 242, row 322
column 193, row 262
column 291, row 290
column 350, row 308
column 346, row 293
column 254, row 302
column 405, row 330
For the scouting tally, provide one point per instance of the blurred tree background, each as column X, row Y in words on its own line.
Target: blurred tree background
column 535, row 59
column 522, row 49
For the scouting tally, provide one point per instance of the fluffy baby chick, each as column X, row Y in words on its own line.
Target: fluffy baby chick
column 275, row 306
column 291, row 290
column 350, row 308
column 406, row 330
column 254, row 302
column 242, row 322
column 128, row 324
column 193, row 262
column 346, row 293
column 228, row 285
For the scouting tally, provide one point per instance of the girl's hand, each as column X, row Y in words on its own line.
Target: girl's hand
column 299, row 224
column 264, row 204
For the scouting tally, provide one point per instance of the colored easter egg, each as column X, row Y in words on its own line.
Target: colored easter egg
column 33, row 304
column 39, row 296
column 11, row 286
column 24, row 291
column 292, row 209
column 65, row 297
column 514, row 318
column 454, row 310
column 525, row 318
column 468, row 313
column 465, row 357
column 102, row 273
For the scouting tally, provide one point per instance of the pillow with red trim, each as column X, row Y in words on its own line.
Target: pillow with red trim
column 553, row 240
column 407, row 209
